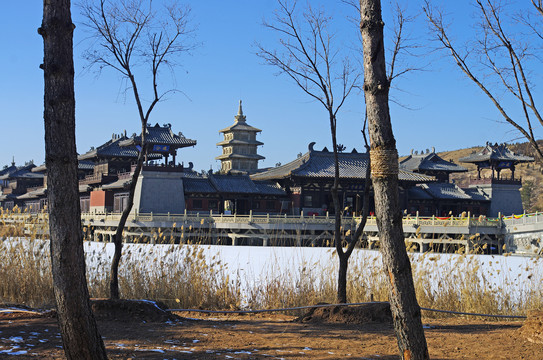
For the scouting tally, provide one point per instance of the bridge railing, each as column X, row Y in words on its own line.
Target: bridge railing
column 408, row 221
column 523, row 219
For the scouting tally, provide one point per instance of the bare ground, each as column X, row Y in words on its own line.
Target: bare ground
column 131, row 332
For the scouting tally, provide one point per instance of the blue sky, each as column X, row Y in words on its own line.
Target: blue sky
column 445, row 110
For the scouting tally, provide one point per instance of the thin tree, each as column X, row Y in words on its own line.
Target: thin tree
column 130, row 33
column 309, row 56
column 499, row 61
column 406, row 312
column 77, row 324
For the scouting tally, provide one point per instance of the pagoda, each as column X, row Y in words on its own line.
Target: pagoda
column 503, row 191
column 239, row 147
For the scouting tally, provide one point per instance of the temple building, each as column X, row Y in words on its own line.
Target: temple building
column 17, row 182
column 308, row 181
column 239, row 147
column 441, row 197
column 429, row 163
column 503, row 191
column 159, row 187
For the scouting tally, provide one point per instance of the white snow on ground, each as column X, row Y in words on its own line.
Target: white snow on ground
column 252, row 265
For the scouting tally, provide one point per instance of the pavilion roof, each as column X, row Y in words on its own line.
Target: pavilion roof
column 110, row 149
column 8, row 170
column 429, row 161
column 494, row 153
column 160, row 135
column 321, row 164
column 22, row 172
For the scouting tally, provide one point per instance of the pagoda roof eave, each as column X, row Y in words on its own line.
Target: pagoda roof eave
column 240, row 156
column 240, row 127
column 239, row 142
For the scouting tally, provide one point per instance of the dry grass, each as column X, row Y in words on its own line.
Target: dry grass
column 185, row 276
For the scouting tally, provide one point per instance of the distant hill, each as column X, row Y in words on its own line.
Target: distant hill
column 531, row 173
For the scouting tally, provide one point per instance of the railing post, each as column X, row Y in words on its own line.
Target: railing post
column 469, row 218
column 168, row 216
column 185, row 215
column 250, row 215
column 524, row 217
column 268, row 217
column 327, row 215
column 433, row 220
column 151, row 216
column 301, row 214
column 417, row 217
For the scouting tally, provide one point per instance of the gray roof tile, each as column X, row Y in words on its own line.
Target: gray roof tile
column 496, row 152
column 321, row 164
column 429, row 162
column 160, row 135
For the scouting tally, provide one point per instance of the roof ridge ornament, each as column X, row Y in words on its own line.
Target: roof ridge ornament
column 311, row 145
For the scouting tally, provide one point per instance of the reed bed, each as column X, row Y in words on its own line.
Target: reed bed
column 192, row 276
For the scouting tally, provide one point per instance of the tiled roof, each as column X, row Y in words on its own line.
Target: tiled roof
column 119, row 184
column 417, row 193
column 8, row 170
column 198, row 185
column 33, row 194
column 231, row 184
column 429, row 162
column 111, row 149
column 238, row 184
column 269, row 188
column 496, row 152
column 160, row 135
column 239, row 126
column 444, row 191
column 22, row 172
column 81, row 165
column 321, row 164
column 85, row 165
column 476, row 194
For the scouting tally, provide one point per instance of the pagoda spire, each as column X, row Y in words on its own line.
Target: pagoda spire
column 240, row 118
column 13, row 161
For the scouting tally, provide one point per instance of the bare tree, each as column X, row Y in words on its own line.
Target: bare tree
column 77, row 324
column 130, row 34
column 499, row 61
column 312, row 60
column 384, row 172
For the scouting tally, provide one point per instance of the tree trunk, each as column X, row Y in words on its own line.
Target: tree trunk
column 118, row 239
column 354, row 238
column 342, row 278
column 384, row 170
column 77, row 324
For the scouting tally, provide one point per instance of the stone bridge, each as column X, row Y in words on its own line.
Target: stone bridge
column 520, row 234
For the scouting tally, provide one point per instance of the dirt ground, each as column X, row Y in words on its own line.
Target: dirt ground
column 322, row 334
